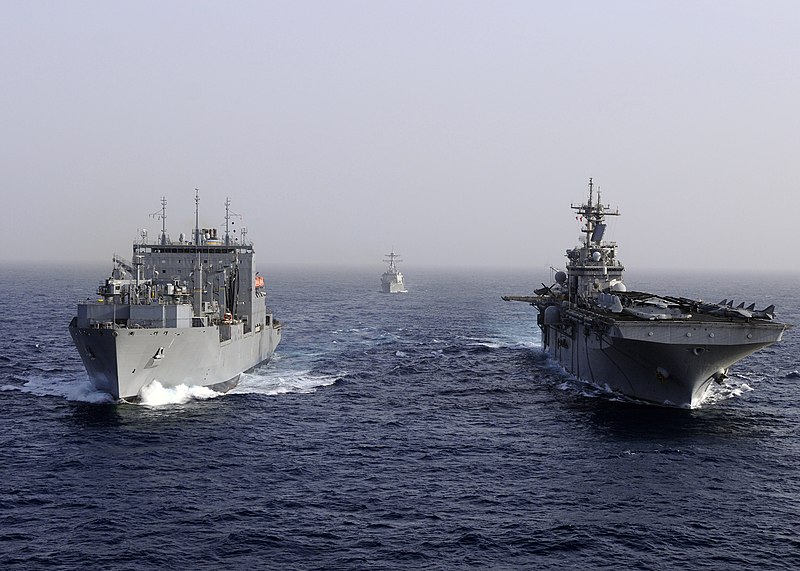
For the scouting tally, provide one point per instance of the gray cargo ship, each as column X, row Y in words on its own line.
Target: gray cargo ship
column 191, row 312
column 655, row 348
column 392, row 278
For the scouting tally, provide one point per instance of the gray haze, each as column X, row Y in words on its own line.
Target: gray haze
column 457, row 132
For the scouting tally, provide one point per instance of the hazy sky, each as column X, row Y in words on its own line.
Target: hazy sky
column 457, row 132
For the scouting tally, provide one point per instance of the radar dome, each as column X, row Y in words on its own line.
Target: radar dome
column 560, row 277
column 617, row 285
column 596, row 256
column 552, row 315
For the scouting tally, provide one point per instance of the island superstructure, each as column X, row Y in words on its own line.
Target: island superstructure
column 392, row 278
column 654, row 348
column 186, row 312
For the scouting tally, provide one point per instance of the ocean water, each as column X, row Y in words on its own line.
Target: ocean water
column 414, row 431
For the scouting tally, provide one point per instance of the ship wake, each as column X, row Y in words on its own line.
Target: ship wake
column 267, row 381
column 69, row 387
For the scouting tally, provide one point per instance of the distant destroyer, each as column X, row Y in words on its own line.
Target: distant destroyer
column 392, row 278
column 654, row 348
column 190, row 312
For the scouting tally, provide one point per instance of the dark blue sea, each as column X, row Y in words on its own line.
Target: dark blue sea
column 414, row 431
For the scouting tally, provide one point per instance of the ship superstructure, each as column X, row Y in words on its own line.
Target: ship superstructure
column 655, row 348
column 191, row 312
column 392, row 278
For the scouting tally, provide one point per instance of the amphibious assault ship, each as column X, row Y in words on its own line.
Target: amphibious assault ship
column 191, row 312
column 654, row 348
column 392, row 278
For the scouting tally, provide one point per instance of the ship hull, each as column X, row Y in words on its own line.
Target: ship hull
column 121, row 361
column 666, row 363
column 391, row 284
column 393, row 287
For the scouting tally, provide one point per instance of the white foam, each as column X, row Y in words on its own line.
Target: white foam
column 733, row 386
column 592, row 390
column 156, row 394
column 504, row 342
column 269, row 381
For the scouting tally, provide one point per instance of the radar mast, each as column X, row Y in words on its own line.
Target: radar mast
column 163, row 216
column 228, row 215
column 390, row 258
column 594, row 216
column 196, row 217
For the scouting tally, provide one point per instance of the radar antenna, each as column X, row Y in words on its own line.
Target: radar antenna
column 228, row 215
column 196, row 217
column 594, row 216
column 391, row 257
column 162, row 214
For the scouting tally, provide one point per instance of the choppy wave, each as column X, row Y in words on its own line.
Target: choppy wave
column 438, row 416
